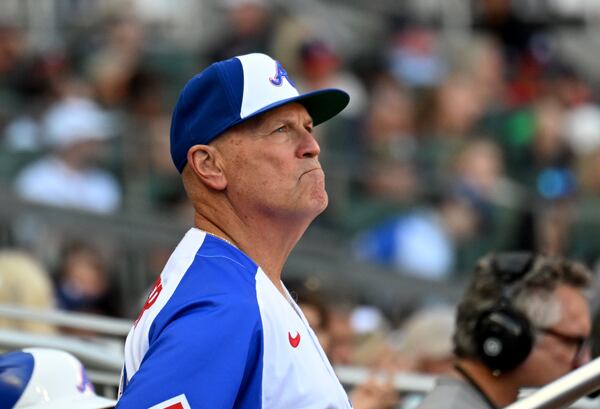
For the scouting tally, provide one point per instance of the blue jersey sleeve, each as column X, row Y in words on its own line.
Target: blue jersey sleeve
column 210, row 351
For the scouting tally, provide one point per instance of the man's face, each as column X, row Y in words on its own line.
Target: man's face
column 558, row 349
column 272, row 166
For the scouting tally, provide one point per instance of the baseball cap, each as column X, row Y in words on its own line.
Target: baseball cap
column 76, row 120
column 43, row 378
column 232, row 91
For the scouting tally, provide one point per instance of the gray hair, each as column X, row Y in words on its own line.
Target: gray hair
column 533, row 295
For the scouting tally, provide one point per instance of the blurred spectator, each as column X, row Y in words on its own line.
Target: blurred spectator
column 446, row 120
column 478, row 170
column 549, row 147
column 343, row 336
column 415, row 59
column 551, row 163
column 422, row 242
column 250, row 29
column 372, row 348
column 563, row 81
column 456, row 108
column 322, row 67
column 44, row 378
column 76, row 130
column 389, row 182
column 426, row 340
column 480, row 60
column 389, row 125
column 117, row 58
column 390, row 144
column 374, row 394
column 478, row 178
column 12, row 47
column 499, row 19
column 581, row 128
column 24, row 282
column 554, row 224
column 425, row 345
column 23, row 72
column 83, row 282
column 164, row 189
column 588, row 171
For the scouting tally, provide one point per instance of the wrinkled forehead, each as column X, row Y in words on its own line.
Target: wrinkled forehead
column 290, row 112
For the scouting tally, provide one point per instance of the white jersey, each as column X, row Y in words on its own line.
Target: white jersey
column 216, row 333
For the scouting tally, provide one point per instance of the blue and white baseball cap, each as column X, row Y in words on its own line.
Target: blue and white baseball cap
column 229, row 92
column 43, row 378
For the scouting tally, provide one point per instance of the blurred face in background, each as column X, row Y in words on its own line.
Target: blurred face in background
column 84, row 154
column 480, row 166
column 548, row 143
column 317, row 320
column 248, row 18
column 12, row 47
column 560, row 348
column 458, row 107
column 85, row 274
column 343, row 338
column 391, row 114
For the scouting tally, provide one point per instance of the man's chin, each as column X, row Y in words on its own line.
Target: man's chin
column 323, row 203
column 317, row 206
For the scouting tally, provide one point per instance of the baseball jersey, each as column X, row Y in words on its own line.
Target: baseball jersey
column 216, row 333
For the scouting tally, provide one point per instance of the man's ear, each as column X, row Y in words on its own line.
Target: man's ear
column 205, row 161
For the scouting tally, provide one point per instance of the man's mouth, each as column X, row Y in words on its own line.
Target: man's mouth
column 311, row 170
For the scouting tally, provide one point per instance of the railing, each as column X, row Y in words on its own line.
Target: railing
column 101, row 353
column 321, row 254
column 562, row 392
column 88, row 322
column 103, row 357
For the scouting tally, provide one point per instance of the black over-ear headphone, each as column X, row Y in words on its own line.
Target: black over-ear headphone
column 503, row 335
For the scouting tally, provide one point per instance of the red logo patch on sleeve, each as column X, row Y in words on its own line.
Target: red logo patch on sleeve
column 178, row 402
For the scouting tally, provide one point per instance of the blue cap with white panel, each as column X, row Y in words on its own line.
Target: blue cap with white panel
column 44, row 378
column 229, row 92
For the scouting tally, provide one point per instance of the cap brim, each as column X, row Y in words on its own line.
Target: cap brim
column 324, row 104
column 321, row 105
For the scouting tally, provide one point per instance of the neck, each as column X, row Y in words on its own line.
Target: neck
column 267, row 243
column 502, row 390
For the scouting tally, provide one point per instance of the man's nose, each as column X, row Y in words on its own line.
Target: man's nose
column 309, row 147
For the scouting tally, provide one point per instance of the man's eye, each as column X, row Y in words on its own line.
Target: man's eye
column 281, row 129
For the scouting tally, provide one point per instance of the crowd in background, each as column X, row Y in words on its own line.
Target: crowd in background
column 449, row 149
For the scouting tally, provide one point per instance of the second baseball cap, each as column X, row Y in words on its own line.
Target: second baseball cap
column 44, row 378
column 229, row 92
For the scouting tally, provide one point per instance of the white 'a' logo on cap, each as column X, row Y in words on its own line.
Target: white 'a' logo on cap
column 280, row 74
column 264, row 83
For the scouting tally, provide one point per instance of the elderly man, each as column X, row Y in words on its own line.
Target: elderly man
column 523, row 322
column 219, row 329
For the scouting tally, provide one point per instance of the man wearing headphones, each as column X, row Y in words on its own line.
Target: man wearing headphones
column 523, row 322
